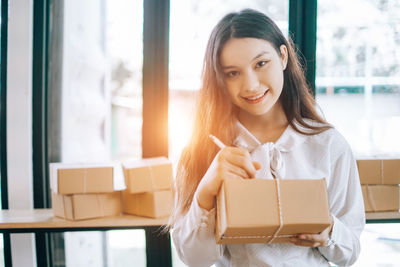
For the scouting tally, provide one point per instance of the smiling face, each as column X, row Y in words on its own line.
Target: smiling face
column 253, row 74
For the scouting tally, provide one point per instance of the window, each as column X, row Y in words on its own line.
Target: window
column 124, row 24
column 126, row 248
column 125, row 50
column 100, row 119
column 358, row 89
column 358, row 72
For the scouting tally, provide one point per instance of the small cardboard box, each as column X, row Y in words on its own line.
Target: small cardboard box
column 381, row 197
column 150, row 204
column 148, row 175
column 86, row 206
column 248, row 212
column 80, row 178
column 379, row 171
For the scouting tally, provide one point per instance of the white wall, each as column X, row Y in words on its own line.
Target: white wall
column 19, row 123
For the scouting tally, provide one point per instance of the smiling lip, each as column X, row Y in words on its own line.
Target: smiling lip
column 255, row 99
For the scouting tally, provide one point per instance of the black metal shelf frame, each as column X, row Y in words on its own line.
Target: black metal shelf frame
column 3, row 124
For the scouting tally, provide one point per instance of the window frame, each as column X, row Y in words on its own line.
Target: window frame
column 3, row 125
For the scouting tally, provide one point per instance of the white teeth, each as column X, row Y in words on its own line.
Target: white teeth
column 256, row 97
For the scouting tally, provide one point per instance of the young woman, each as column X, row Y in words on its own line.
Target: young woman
column 255, row 99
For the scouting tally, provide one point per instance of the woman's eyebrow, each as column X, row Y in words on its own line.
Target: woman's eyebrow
column 259, row 55
column 228, row 67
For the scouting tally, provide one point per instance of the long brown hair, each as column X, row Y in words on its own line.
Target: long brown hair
column 215, row 112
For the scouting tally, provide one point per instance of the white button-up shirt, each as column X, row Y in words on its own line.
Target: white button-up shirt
column 292, row 156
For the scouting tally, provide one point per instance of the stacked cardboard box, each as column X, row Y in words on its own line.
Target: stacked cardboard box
column 380, row 179
column 149, row 183
column 85, row 191
column 248, row 211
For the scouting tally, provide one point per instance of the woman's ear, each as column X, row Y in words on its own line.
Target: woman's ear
column 284, row 56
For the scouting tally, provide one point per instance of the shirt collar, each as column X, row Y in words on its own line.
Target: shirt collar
column 289, row 139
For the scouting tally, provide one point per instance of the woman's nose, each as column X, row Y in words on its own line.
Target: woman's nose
column 250, row 82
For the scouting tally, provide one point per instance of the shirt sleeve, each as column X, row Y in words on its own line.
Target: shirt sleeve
column 194, row 237
column 347, row 208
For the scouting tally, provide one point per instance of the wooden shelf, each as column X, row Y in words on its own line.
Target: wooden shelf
column 36, row 219
column 44, row 219
column 388, row 215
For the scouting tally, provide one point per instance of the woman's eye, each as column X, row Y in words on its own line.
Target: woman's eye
column 261, row 63
column 232, row 74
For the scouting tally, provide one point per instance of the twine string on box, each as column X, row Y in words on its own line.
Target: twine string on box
column 370, row 198
column 151, row 174
column 65, row 207
column 84, row 179
column 271, row 154
column 256, row 236
column 100, row 204
column 278, row 193
column 135, row 204
column 276, row 234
